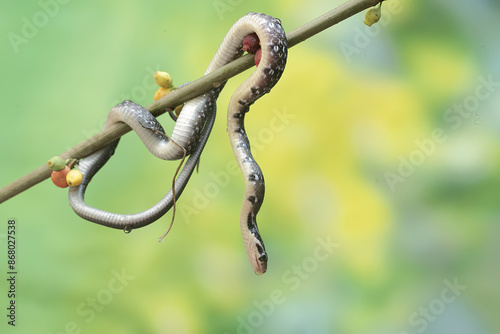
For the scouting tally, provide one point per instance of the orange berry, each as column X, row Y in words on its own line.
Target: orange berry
column 59, row 177
column 161, row 92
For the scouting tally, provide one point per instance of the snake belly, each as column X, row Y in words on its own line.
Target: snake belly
column 192, row 130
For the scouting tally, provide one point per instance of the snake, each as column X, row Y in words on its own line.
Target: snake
column 191, row 132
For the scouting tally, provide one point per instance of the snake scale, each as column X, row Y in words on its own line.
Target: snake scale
column 192, row 130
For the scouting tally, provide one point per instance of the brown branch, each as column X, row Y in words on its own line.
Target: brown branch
column 186, row 93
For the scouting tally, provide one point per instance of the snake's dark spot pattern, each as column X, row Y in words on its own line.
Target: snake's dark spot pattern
column 252, row 199
column 247, row 159
column 262, row 252
column 242, row 145
column 274, row 52
column 263, row 257
column 241, row 131
column 251, row 223
column 254, row 177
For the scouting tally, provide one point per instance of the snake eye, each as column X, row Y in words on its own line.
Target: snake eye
column 263, row 257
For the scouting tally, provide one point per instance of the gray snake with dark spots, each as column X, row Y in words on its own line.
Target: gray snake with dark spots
column 192, row 130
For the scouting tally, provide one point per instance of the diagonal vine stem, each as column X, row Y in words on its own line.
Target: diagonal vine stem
column 186, row 93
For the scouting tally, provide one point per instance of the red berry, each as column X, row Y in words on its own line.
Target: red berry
column 251, row 43
column 59, row 177
column 257, row 57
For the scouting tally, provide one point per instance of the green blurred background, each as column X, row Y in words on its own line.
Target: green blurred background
column 360, row 147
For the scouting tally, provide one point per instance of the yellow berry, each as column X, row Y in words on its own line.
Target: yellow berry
column 163, row 79
column 161, row 92
column 74, row 178
column 372, row 15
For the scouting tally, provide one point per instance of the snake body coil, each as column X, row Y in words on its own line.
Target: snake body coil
column 192, row 130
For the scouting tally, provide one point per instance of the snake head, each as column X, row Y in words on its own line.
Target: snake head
column 258, row 255
column 260, row 263
column 253, row 242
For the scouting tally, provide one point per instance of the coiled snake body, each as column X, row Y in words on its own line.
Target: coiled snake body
column 192, row 130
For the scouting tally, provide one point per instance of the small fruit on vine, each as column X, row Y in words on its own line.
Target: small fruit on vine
column 163, row 79
column 59, row 177
column 257, row 57
column 373, row 15
column 74, row 178
column 161, row 92
column 178, row 110
column 251, row 43
column 56, row 163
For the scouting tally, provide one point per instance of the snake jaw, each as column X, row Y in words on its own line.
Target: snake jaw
column 261, row 267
